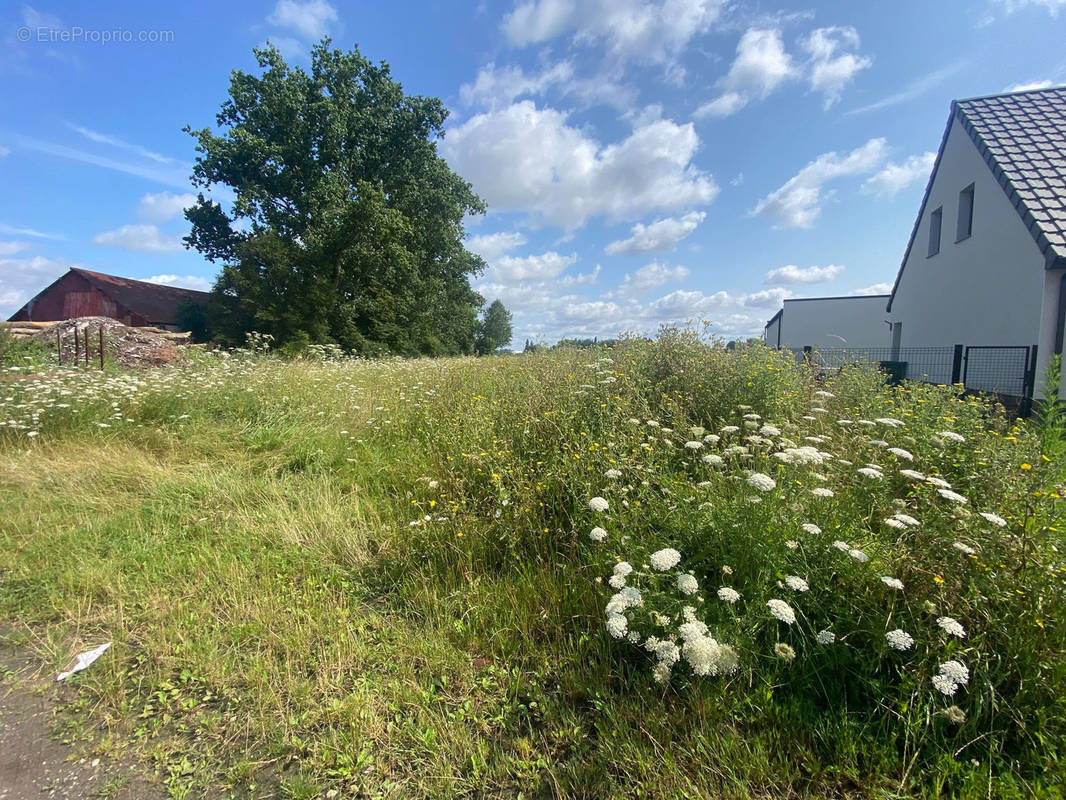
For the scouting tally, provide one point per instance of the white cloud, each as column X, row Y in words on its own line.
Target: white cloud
column 162, row 206
column 1051, row 6
column 832, row 66
column 10, row 248
column 877, row 288
column 114, row 141
column 647, row 278
column 15, row 231
column 1031, row 86
column 661, row 235
column 176, row 175
column 184, row 281
column 311, row 19
column 495, row 87
column 790, row 274
column 522, row 158
column 797, row 203
column 894, row 178
column 491, row 246
column 4, row 152
column 912, row 90
column 22, row 278
column 498, row 86
column 648, row 31
column 140, row 238
column 541, row 267
column 761, row 66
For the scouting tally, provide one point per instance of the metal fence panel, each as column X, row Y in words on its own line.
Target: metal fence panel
column 1002, row 370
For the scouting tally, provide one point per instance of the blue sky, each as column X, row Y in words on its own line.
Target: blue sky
column 644, row 161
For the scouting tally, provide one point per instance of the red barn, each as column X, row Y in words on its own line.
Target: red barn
column 81, row 293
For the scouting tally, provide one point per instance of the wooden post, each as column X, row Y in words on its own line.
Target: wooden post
column 77, row 343
column 59, row 346
column 86, row 346
column 101, row 347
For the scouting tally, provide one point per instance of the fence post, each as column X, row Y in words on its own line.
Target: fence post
column 86, row 346
column 77, row 346
column 956, row 365
column 101, row 347
column 1029, row 385
column 59, row 346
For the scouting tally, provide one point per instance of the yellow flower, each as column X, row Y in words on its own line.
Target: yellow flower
column 1027, row 466
column 938, row 579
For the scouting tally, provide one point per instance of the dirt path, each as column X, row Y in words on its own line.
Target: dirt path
column 33, row 763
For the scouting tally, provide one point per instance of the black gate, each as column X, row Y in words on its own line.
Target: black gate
column 1007, row 371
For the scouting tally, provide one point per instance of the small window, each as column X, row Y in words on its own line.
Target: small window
column 935, row 220
column 965, row 214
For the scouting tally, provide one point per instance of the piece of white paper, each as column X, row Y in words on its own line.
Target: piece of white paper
column 83, row 660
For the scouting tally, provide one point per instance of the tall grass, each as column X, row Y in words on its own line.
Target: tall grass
column 377, row 577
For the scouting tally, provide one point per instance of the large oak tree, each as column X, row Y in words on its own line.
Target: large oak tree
column 345, row 225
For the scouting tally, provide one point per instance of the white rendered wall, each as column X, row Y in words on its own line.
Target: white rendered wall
column 985, row 290
column 834, row 322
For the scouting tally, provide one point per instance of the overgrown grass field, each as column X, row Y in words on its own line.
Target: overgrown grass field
column 660, row 570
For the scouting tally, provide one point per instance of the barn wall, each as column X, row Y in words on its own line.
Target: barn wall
column 73, row 296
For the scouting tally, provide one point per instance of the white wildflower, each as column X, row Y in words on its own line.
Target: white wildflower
column 899, row 452
column 784, row 651
column 687, row 584
column 899, row 639
column 914, row 475
column 951, row 626
column 899, row 525
column 764, row 483
column 951, row 436
column 782, row 611
column 623, row 568
column 826, row 637
column 597, row 534
column 872, row 473
column 617, row 625
column 811, row 528
column 665, row 559
column 907, row 520
column 823, row 393
column 843, row 547
column 729, row 429
column 964, row 548
column 995, row 519
column 954, row 497
column 613, row 474
column 821, row 491
column 712, row 438
column 770, row 430
column 598, row 504
column 617, row 581
column 712, row 459
column 728, row 594
column 694, row 445
column 957, row 671
column 945, row 685
column 796, row 583
column 791, row 544
column 938, row 482
column 858, row 555
column 891, row 422
column 892, row 583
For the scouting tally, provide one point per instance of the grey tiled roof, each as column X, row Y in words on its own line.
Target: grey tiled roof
column 1022, row 136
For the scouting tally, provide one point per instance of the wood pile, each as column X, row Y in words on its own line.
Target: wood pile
column 135, row 347
column 24, row 330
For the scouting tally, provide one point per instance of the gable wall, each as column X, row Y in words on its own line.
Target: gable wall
column 984, row 290
column 823, row 322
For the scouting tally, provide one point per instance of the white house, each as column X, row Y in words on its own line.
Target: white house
column 856, row 321
column 986, row 262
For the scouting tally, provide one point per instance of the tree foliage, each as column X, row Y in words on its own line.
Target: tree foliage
column 346, row 225
column 494, row 331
